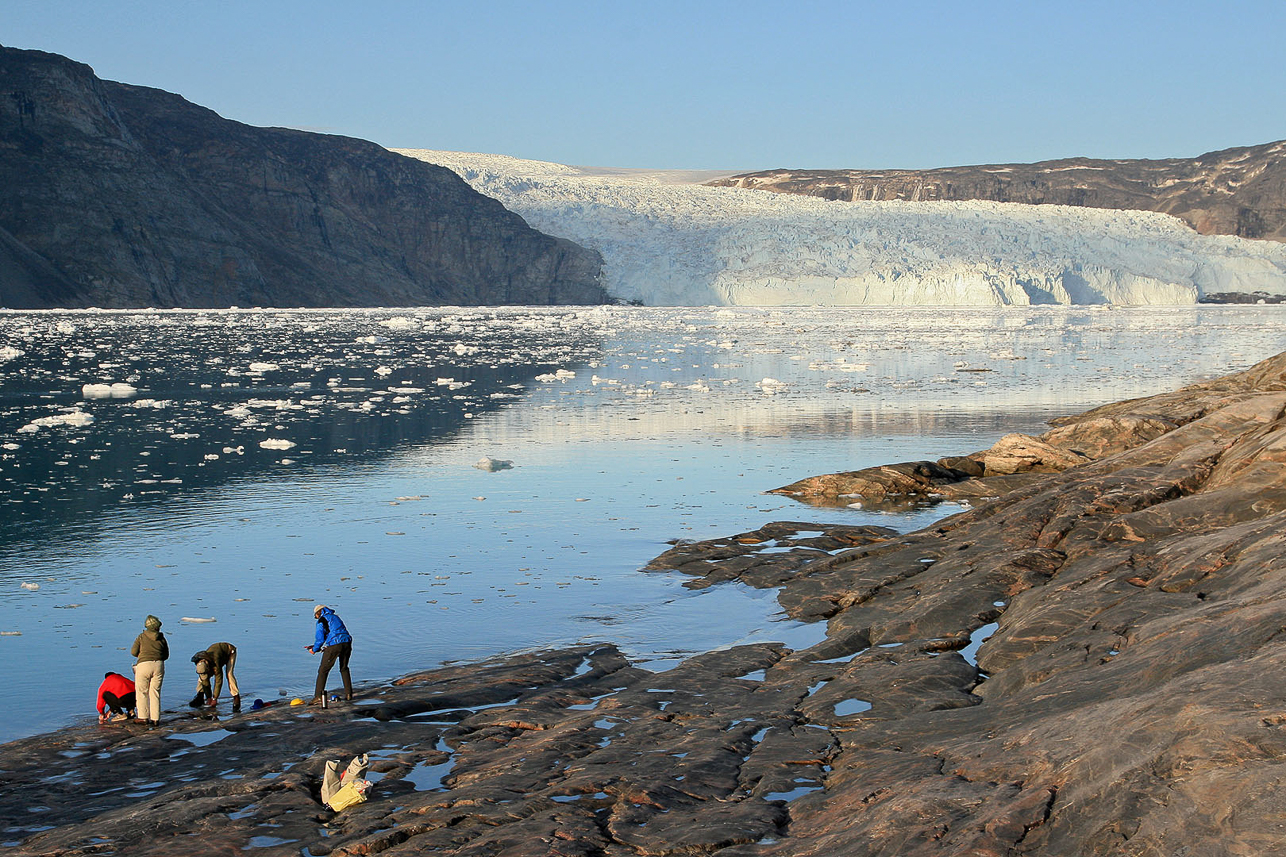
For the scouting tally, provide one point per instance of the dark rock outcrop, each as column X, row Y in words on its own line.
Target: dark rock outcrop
column 1089, row 665
column 1012, row 462
column 1238, row 191
column 123, row 196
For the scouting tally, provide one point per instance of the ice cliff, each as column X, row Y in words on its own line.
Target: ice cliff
column 673, row 243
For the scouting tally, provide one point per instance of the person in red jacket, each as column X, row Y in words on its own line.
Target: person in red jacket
column 115, row 694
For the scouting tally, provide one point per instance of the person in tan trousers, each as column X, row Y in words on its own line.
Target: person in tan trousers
column 151, row 649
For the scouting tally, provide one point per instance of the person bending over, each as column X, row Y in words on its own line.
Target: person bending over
column 115, row 696
column 218, row 661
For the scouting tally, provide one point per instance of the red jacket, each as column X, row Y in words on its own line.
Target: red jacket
column 116, row 684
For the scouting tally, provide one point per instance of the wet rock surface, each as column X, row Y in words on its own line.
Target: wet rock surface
column 1088, row 665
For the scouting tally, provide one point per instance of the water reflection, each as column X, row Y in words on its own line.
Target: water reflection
column 268, row 461
column 175, row 403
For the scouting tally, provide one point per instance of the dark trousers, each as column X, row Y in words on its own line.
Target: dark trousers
column 119, row 704
column 339, row 652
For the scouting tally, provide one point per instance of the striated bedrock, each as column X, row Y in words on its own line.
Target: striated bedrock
column 1239, row 191
column 114, row 195
column 1088, row 665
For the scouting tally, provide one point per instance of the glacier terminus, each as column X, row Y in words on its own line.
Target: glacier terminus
column 667, row 241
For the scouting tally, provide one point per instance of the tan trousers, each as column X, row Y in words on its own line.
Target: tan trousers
column 203, row 681
column 148, row 676
column 232, row 680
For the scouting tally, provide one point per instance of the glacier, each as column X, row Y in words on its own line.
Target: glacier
column 669, row 241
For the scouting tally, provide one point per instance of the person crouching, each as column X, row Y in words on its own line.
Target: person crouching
column 115, row 698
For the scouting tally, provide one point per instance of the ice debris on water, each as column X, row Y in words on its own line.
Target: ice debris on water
column 491, row 465
column 197, row 619
column 75, row 418
column 119, row 390
column 31, row 586
column 277, row 443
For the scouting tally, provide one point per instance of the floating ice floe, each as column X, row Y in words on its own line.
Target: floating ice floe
column 8, row 352
column 264, row 367
column 276, row 443
column 560, row 375
column 491, row 465
column 76, row 418
column 119, row 390
column 31, row 586
column 197, row 620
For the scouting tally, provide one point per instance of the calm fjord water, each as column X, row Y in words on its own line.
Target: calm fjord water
column 249, row 464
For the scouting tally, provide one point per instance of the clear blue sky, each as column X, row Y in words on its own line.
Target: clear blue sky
column 720, row 85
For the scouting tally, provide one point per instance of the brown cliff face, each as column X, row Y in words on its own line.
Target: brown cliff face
column 1232, row 192
column 122, row 196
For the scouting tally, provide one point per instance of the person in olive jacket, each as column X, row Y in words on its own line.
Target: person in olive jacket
column 218, row 660
column 151, row 649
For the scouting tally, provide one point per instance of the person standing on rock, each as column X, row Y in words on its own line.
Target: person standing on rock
column 151, row 649
column 217, row 661
column 115, row 694
column 333, row 643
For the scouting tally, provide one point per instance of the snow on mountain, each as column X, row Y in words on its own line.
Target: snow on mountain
column 667, row 243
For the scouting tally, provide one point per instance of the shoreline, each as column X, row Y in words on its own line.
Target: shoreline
column 1082, row 665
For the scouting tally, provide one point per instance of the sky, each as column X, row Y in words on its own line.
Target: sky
column 687, row 84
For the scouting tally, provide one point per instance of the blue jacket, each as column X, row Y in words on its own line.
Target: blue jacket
column 330, row 630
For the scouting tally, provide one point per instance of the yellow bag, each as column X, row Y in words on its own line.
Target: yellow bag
column 350, row 793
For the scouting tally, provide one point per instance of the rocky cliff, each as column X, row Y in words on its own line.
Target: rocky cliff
column 1231, row 192
column 122, row 196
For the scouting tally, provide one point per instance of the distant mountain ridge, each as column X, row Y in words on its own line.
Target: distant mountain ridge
column 114, row 195
column 1240, row 191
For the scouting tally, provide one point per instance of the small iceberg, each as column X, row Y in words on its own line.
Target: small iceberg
column 491, row 465
column 276, row 443
column 197, row 619
column 108, row 391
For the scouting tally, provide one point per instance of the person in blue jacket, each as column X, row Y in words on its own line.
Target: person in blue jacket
column 333, row 643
